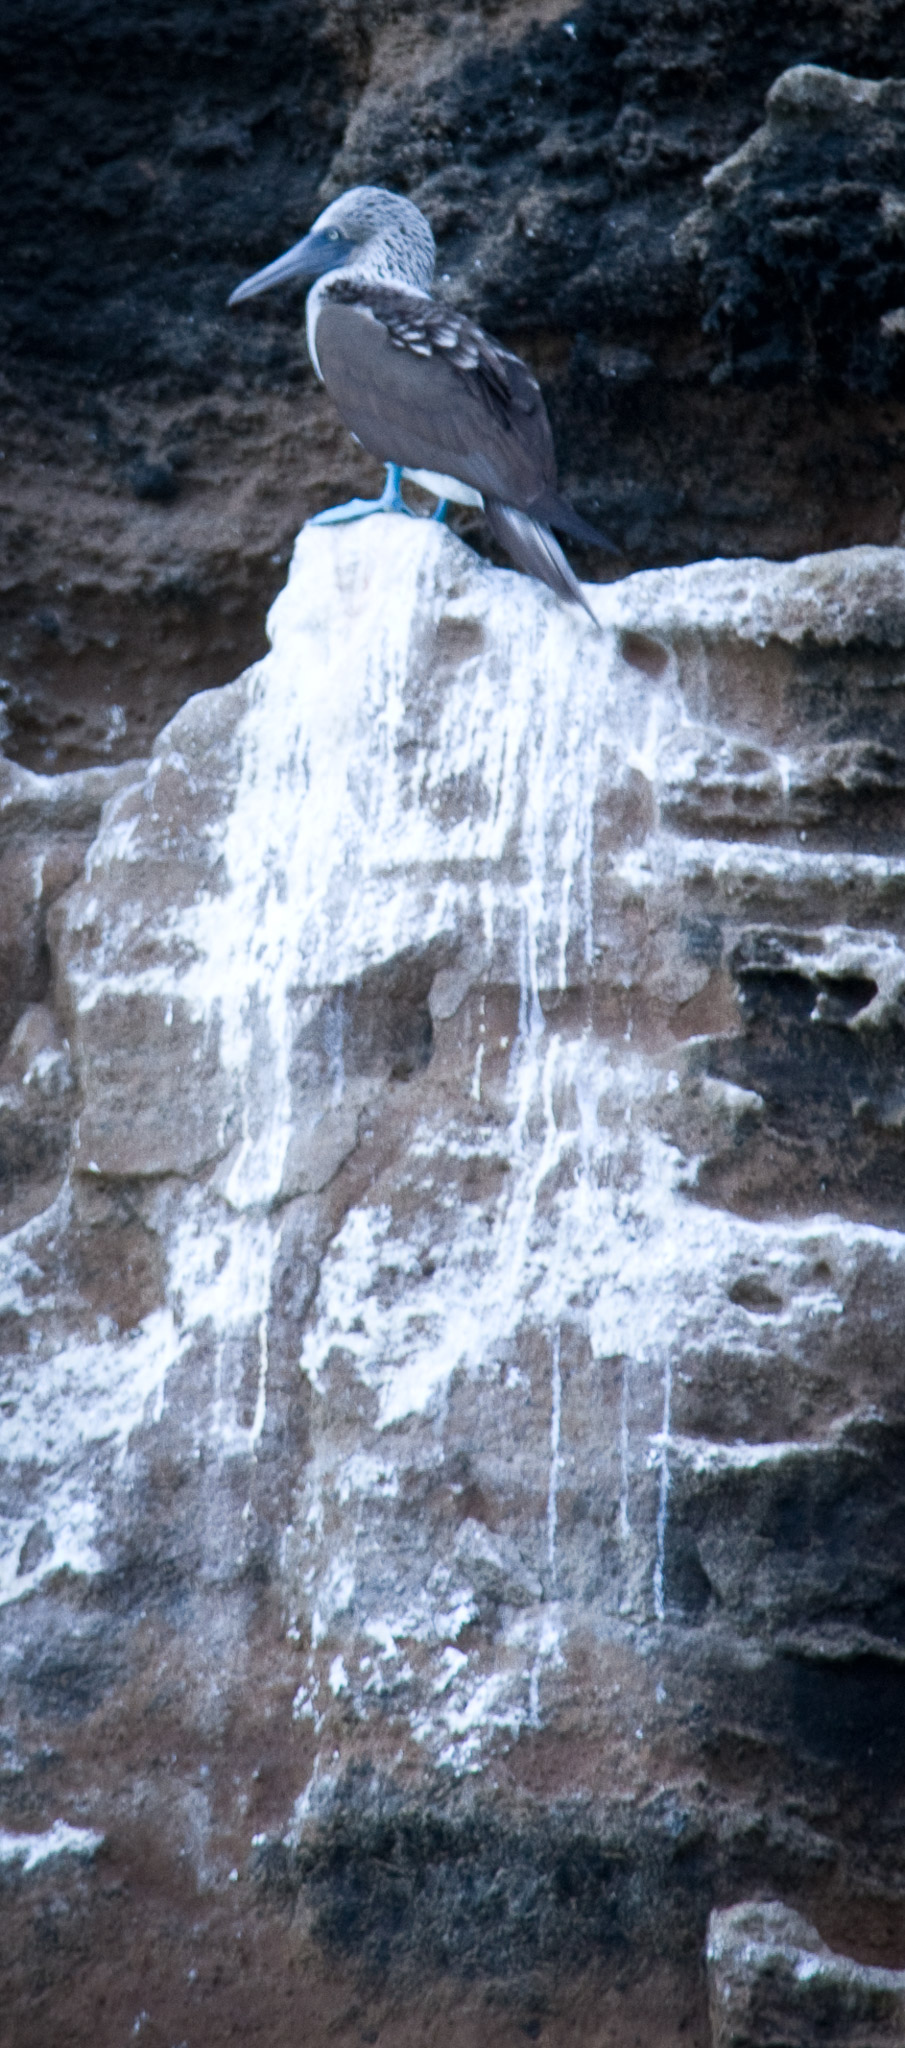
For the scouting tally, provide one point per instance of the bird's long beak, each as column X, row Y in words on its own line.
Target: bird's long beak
column 309, row 258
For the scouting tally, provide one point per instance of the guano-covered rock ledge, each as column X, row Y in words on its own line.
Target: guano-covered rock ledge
column 453, row 1126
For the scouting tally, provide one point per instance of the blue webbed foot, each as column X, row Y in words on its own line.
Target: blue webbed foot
column 390, row 500
column 439, row 511
column 357, row 508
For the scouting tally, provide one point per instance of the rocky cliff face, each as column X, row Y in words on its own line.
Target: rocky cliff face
column 452, row 1291
column 722, row 359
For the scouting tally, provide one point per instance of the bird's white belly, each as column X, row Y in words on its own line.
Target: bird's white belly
column 445, row 487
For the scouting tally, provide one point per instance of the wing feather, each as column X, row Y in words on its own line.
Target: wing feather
column 420, row 385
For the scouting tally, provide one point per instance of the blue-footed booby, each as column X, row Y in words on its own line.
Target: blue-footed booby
column 421, row 386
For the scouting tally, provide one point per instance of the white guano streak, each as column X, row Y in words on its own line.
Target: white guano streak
column 555, row 1423
column 663, row 1497
column 59, row 1840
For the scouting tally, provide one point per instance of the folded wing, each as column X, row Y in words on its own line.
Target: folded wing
column 420, row 385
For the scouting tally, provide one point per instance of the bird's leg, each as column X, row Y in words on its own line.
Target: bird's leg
column 390, row 500
column 439, row 511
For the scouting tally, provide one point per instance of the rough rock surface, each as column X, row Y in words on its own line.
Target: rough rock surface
column 802, row 248
column 726, row 392
column 773, row 1980
column 453, row 1409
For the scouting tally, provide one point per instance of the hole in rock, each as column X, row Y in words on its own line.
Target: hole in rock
column 752, row 1292
column 787, row 996
column 645, row 654
column 381, row 1023
column 687, row 1588
column 851, row 1715
column 844, row 996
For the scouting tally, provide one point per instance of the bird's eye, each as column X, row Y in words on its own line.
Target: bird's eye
column 333, row 234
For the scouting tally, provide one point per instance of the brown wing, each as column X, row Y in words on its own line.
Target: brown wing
column 419, row 385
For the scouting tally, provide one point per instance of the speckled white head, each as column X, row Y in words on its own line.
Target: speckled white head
column 367, row 234
column 387, row 238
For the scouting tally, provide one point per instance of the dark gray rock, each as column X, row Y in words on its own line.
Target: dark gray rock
column 800, row 237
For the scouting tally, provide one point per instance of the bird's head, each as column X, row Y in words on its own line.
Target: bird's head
column 373, row 234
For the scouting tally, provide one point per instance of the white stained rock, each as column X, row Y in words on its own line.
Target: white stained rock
column 27, row 1852
column 772, row 1980
column 388, row 989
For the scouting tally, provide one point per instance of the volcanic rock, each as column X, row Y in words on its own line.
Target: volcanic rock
column 772, row 1979
column 453, row 1417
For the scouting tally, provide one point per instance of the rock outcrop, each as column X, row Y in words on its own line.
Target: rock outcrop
column 772, row 1979
column 452, row 1398
column 800, row 236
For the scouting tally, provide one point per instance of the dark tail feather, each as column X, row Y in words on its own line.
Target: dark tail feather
column 534, row 549
column 559, row 513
